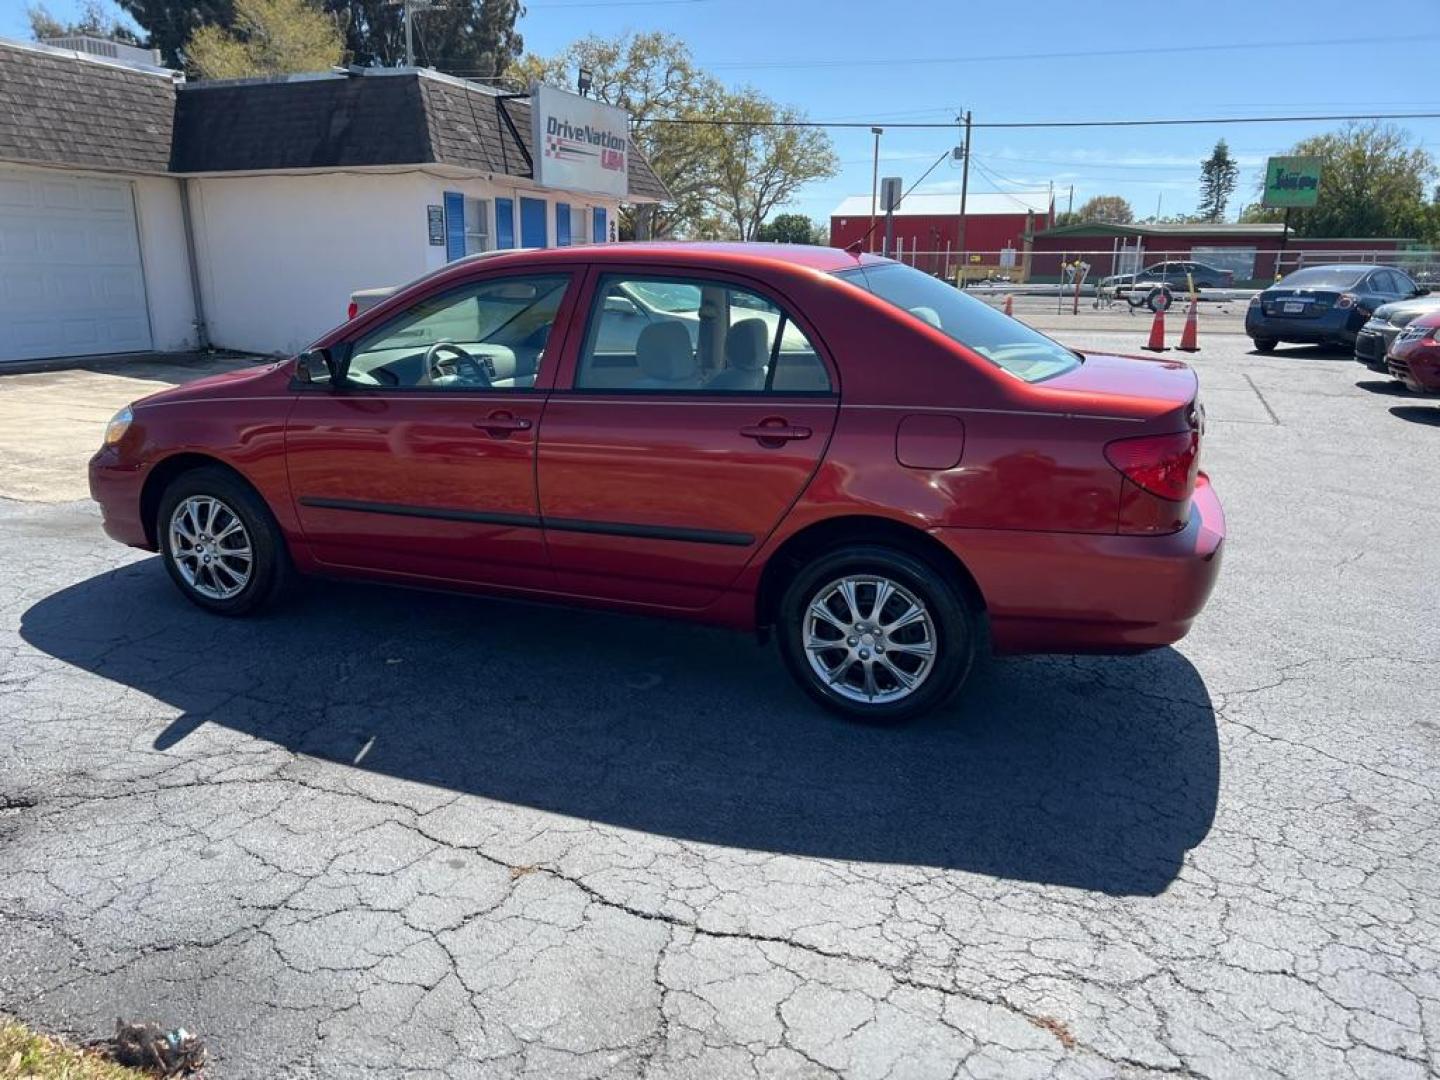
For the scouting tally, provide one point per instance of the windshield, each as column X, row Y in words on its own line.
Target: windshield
column 1324, row 277
column 1007, row 343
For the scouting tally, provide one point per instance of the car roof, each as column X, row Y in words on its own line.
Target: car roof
column 692, row 253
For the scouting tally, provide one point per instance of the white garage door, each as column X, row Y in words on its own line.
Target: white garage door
column 70, row 276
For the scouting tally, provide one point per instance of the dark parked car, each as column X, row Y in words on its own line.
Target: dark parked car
column 1376, row 336
column 1415, row 357
column 1324, row 305
column 1172, row 274
column 888, row 474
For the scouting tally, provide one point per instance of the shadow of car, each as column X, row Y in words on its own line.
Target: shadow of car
column 1086, row 772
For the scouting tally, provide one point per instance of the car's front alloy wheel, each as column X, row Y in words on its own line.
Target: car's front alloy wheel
column 876, row 633
column 220, row 543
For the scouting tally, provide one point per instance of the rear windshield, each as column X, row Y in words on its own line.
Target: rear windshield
column 1324, row 277
column 1007, row 343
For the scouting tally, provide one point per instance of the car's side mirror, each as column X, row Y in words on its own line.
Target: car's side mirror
column 1421, row 291
column 619, row 305
column 316, row 366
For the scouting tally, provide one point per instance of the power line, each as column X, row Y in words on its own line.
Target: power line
column 988, row 58
column 1013, row 124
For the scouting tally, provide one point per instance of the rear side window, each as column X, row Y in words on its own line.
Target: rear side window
column 693, row 336
column 1007, row 343
column 1324, row 277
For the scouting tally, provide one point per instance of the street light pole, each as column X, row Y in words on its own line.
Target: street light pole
column 964, row 190
column 874, row 182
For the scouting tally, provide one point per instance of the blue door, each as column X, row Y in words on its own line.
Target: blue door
column 504, row 223
column 598, row 235
column 454, row 226
column 562, row 224
column 534, row 232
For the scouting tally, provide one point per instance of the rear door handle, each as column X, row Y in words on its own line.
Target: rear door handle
column 502, row 423
column 775, row 431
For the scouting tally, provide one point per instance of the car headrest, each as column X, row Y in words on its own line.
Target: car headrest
column 747, row 345
column 663, row 352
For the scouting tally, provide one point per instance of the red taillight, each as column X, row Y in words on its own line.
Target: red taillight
column 1163, row 465
column 352, row 310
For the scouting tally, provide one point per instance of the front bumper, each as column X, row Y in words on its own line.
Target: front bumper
column 1085, row 592
column 116, row 485
column 1417, row 366
column 1372, row 343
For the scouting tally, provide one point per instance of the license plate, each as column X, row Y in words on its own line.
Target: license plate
column 1294, row 307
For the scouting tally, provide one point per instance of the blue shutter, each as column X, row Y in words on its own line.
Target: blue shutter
column 598, row 233
column 454, row 226
column 504, row 223
column 562, row 224
column 534, row 229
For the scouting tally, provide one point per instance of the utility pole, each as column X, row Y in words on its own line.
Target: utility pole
column 874, row 182
column 409, row 37
column 408, row 10
column 964, row 191
column 1070, row 206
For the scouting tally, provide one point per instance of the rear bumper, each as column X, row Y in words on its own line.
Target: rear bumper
column 1083, row 592
column 116, row 486
column 1336, row 325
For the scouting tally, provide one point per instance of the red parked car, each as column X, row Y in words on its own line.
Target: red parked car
column 1414, row 358
column 890, row 475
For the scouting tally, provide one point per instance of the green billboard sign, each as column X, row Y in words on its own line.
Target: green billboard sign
column 1292, row 181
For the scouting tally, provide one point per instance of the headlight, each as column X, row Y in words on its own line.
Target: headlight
column 118, row 425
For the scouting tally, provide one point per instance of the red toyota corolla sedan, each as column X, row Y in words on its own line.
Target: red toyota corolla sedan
column 887, row 473
column 1414, row 357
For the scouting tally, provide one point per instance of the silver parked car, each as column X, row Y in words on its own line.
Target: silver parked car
column 1374, row 339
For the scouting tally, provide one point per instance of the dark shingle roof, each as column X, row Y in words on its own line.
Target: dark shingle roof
column 389, row 119
column 59, row 109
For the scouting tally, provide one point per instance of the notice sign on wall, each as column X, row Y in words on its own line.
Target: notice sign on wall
column 1292, row 181
column 435, row 218
column 578, row 144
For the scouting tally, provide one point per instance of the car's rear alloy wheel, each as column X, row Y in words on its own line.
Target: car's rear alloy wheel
column 220, row 544
column 876, row 634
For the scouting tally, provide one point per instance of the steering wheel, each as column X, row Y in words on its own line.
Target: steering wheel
column 466, row 367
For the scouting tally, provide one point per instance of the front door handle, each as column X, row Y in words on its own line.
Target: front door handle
column 774, row 431
column 501, row 424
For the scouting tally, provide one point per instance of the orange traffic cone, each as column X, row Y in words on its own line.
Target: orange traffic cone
column 1157, row 333
column 1009, row 305
column 1189, row 334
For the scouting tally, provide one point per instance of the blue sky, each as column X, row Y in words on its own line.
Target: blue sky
column 927, row 60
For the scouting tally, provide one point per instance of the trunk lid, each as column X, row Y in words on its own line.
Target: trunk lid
column 1279, row 302
column 1132, row 379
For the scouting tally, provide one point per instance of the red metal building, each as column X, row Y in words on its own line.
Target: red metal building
column 928, row 225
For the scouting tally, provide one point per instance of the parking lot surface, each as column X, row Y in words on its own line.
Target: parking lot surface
column 384, row 833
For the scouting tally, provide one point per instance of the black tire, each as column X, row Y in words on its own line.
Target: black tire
column 953, row 618
column 1265, row 344
column 1159, row 300
column 270, row 569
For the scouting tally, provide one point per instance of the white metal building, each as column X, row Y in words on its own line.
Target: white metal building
column 140, row 213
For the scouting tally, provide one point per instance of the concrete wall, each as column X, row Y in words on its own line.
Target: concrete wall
column 167, row 271
column 280, row 255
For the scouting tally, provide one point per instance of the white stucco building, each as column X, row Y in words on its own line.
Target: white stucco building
column 140, row 213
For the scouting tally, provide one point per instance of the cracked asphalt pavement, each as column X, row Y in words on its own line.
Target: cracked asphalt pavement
column 382, row 833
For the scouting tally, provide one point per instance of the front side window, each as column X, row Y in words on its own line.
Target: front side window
column 1007, row 343
column 488, row 335
column 683, row 335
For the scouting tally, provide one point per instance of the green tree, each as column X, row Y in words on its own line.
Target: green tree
column 1373, row 182
column 789, row 229
column 649, row 75
column 765, row 155
column 269, row 37
column 95, row 19
column 474, row 39
column 1218, row 176
column 1111, row 209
